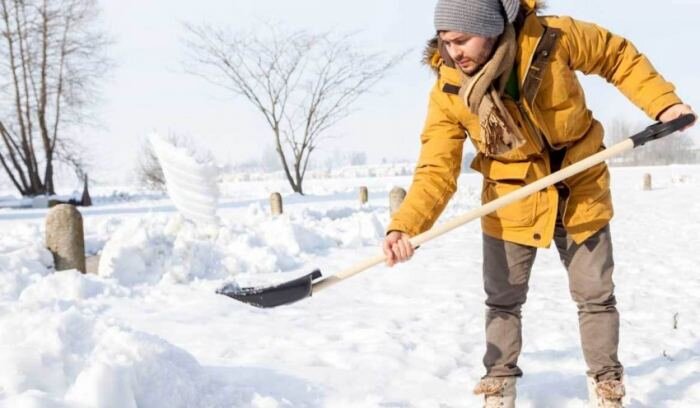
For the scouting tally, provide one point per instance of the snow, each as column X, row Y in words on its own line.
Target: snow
column 149, row 331
column 191, row 183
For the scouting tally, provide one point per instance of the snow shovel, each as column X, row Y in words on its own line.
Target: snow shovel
column 307, row 285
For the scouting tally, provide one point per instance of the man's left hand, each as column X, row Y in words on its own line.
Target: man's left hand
column 676, row 111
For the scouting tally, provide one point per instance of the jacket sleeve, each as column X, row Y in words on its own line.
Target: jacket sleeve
column 435, row 177
column 594, row 50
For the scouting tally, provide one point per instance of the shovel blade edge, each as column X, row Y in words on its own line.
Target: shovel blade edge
column 273, row 296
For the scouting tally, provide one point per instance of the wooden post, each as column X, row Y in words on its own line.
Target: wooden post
column 396, row 197
column 276, row 203
column 85, row 200
column 64, row 237
column 364, row 195
column 647, row 182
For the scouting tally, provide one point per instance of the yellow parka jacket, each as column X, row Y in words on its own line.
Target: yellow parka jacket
column 552, row 115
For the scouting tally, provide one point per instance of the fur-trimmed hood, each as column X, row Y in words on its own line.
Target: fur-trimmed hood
column 431, row 52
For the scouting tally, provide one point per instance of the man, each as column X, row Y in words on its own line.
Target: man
column 506, row 78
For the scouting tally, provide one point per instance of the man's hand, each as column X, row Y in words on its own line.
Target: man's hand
column 397, row 247
column 676, row 111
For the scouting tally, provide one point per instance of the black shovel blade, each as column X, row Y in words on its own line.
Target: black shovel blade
column 272, row 296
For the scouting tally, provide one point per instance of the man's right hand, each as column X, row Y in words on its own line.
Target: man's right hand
column 397, row 248
column 676, row 111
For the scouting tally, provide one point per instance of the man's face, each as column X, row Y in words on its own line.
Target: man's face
column 470, row 52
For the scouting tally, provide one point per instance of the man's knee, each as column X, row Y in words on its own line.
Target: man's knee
column 507, row 300
column 595, row 298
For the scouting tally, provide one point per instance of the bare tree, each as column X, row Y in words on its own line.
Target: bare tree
column 148, row 170
column 52, row 57
column 302, row 83
column 70, row 152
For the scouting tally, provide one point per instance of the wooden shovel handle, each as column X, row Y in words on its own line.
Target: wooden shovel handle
column 651, row 133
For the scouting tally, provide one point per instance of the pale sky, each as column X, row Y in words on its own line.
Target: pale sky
column 148, row 90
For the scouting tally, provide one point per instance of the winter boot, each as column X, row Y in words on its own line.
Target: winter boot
column 499, row 392
column 605, row 394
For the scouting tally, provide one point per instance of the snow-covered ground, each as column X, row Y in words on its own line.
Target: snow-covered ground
column 149, row 331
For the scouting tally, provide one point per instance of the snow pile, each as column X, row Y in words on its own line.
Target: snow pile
column 70, row 286
column 23, row 260
column 98, row 233
column 169, row 248
column 349, row 226
column 132, row 369
column 144, row 251
column 48, row 354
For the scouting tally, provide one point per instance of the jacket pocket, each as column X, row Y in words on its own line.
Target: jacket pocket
column 501, row 179
column 590, row 201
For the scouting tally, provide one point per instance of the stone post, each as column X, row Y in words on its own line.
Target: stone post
column 276, row 203
column 364, row 195
column 64, row 237
column 396, row 197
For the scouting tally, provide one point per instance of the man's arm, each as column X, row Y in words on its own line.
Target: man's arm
column 435, row 178
column 595, row 50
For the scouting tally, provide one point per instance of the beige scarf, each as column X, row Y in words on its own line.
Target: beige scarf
column 481, row 93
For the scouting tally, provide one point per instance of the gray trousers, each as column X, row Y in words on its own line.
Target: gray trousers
column 590, row 267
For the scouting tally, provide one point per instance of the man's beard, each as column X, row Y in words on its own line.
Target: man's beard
column 481, row 59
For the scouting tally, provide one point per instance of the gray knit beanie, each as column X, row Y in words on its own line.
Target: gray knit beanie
column 484, row 18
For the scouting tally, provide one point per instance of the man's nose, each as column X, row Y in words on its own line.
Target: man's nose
column 455, row 53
